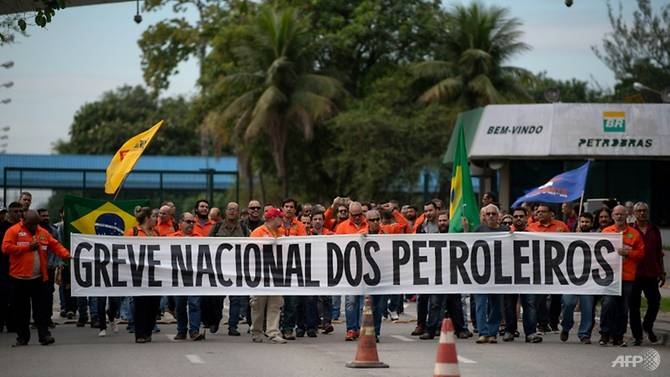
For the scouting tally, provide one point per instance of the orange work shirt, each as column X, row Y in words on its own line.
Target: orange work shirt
column 264, row 231
column 21, row 258
column 202, row 230
column 348, row 227
column 296, row 228
column 553, row 226
column 401, row 225
column 164, row 228
column 632, row 238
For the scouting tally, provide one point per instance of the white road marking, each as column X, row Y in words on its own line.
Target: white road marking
column 465, row 360
column 403, row 338
column 194, row 359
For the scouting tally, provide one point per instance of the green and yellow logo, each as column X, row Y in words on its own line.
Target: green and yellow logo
column 614, row 121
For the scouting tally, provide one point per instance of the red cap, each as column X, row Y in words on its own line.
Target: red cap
column 272, row 212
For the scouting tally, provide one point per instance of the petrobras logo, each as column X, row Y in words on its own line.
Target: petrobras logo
column 614, row 121
column 649, row 359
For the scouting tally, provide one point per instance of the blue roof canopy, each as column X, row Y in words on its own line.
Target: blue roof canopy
column 150, row 172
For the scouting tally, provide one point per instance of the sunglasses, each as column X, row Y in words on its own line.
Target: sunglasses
column 356, row 214
column 254, row 208
column 374, row 219
column 506, row 223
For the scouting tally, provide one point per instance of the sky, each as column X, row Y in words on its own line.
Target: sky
column 89, row 50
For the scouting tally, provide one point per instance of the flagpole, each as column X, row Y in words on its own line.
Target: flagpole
column 581, row 203
column 120, row 186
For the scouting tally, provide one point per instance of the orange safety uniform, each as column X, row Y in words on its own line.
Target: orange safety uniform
column 632, row 238
column 348, row 227
column 202, row 230
column 401, row 225
column 417, row 223
column 136, row 231
column 553, row 226
column 179, row 233
column 296, row 228
column 324, row 232
column 264, row 231
column 21, row 258
column 165, row 228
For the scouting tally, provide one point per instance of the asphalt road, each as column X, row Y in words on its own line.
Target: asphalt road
column 80, row 352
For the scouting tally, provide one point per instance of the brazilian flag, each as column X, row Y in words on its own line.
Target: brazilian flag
column 94, row 216
column 462, row 202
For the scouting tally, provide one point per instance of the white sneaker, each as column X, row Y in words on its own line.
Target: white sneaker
column 102, row 333
column 278, row 340
column 394, row 316
column 115, row 327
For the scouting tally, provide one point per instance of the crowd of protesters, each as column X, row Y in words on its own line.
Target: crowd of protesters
column 32, row 260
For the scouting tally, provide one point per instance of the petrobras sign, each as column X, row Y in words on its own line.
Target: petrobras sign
column 572, row 129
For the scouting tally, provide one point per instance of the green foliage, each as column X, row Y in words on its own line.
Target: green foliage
column 103, row 126
column 570, row 90
column 274, row 87
column 478, row 41
column 639, row 52
column 170, row 42
column 647, row 40
column 44, row 12
column 354, row 38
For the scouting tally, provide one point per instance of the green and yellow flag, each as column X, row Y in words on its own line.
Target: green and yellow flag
column 463, row 202
column 126, row 157
column 93, row 216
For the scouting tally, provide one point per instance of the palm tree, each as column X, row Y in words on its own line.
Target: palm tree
column 276, row 89
column 478, row 40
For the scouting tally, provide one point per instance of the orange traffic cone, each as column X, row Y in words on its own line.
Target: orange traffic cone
column 446, row 363
column 366, row 355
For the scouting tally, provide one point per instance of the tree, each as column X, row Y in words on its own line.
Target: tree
column 42, row 12
column 277, row 88
column 639, row 52
column 570, row 90
column 356, row 40
column 103, row 126
column 478, row 41
column 647, row 40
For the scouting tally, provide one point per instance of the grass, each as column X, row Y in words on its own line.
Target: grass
column 665, row 304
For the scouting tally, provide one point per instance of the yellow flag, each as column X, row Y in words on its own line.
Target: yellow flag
column 126, row 157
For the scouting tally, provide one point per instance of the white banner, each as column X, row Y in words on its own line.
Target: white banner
column 574, row 263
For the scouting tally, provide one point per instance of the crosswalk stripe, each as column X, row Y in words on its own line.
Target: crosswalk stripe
column 403, row 338
column 194, row 359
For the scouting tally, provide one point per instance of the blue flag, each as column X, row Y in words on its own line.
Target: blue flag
column 562, row 188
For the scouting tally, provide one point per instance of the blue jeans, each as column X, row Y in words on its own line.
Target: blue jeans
column 488, row 307
column 86, row 305
column 336, row 307
column 529, row 314
column 586, row 306
column 194, row 313
column 237, row 303
column 353, row 305
column 354, row 309
column 614, row 313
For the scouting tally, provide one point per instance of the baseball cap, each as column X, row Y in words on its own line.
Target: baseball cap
column 272, row 212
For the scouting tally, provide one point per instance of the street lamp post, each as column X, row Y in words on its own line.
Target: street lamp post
column 664, row 94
